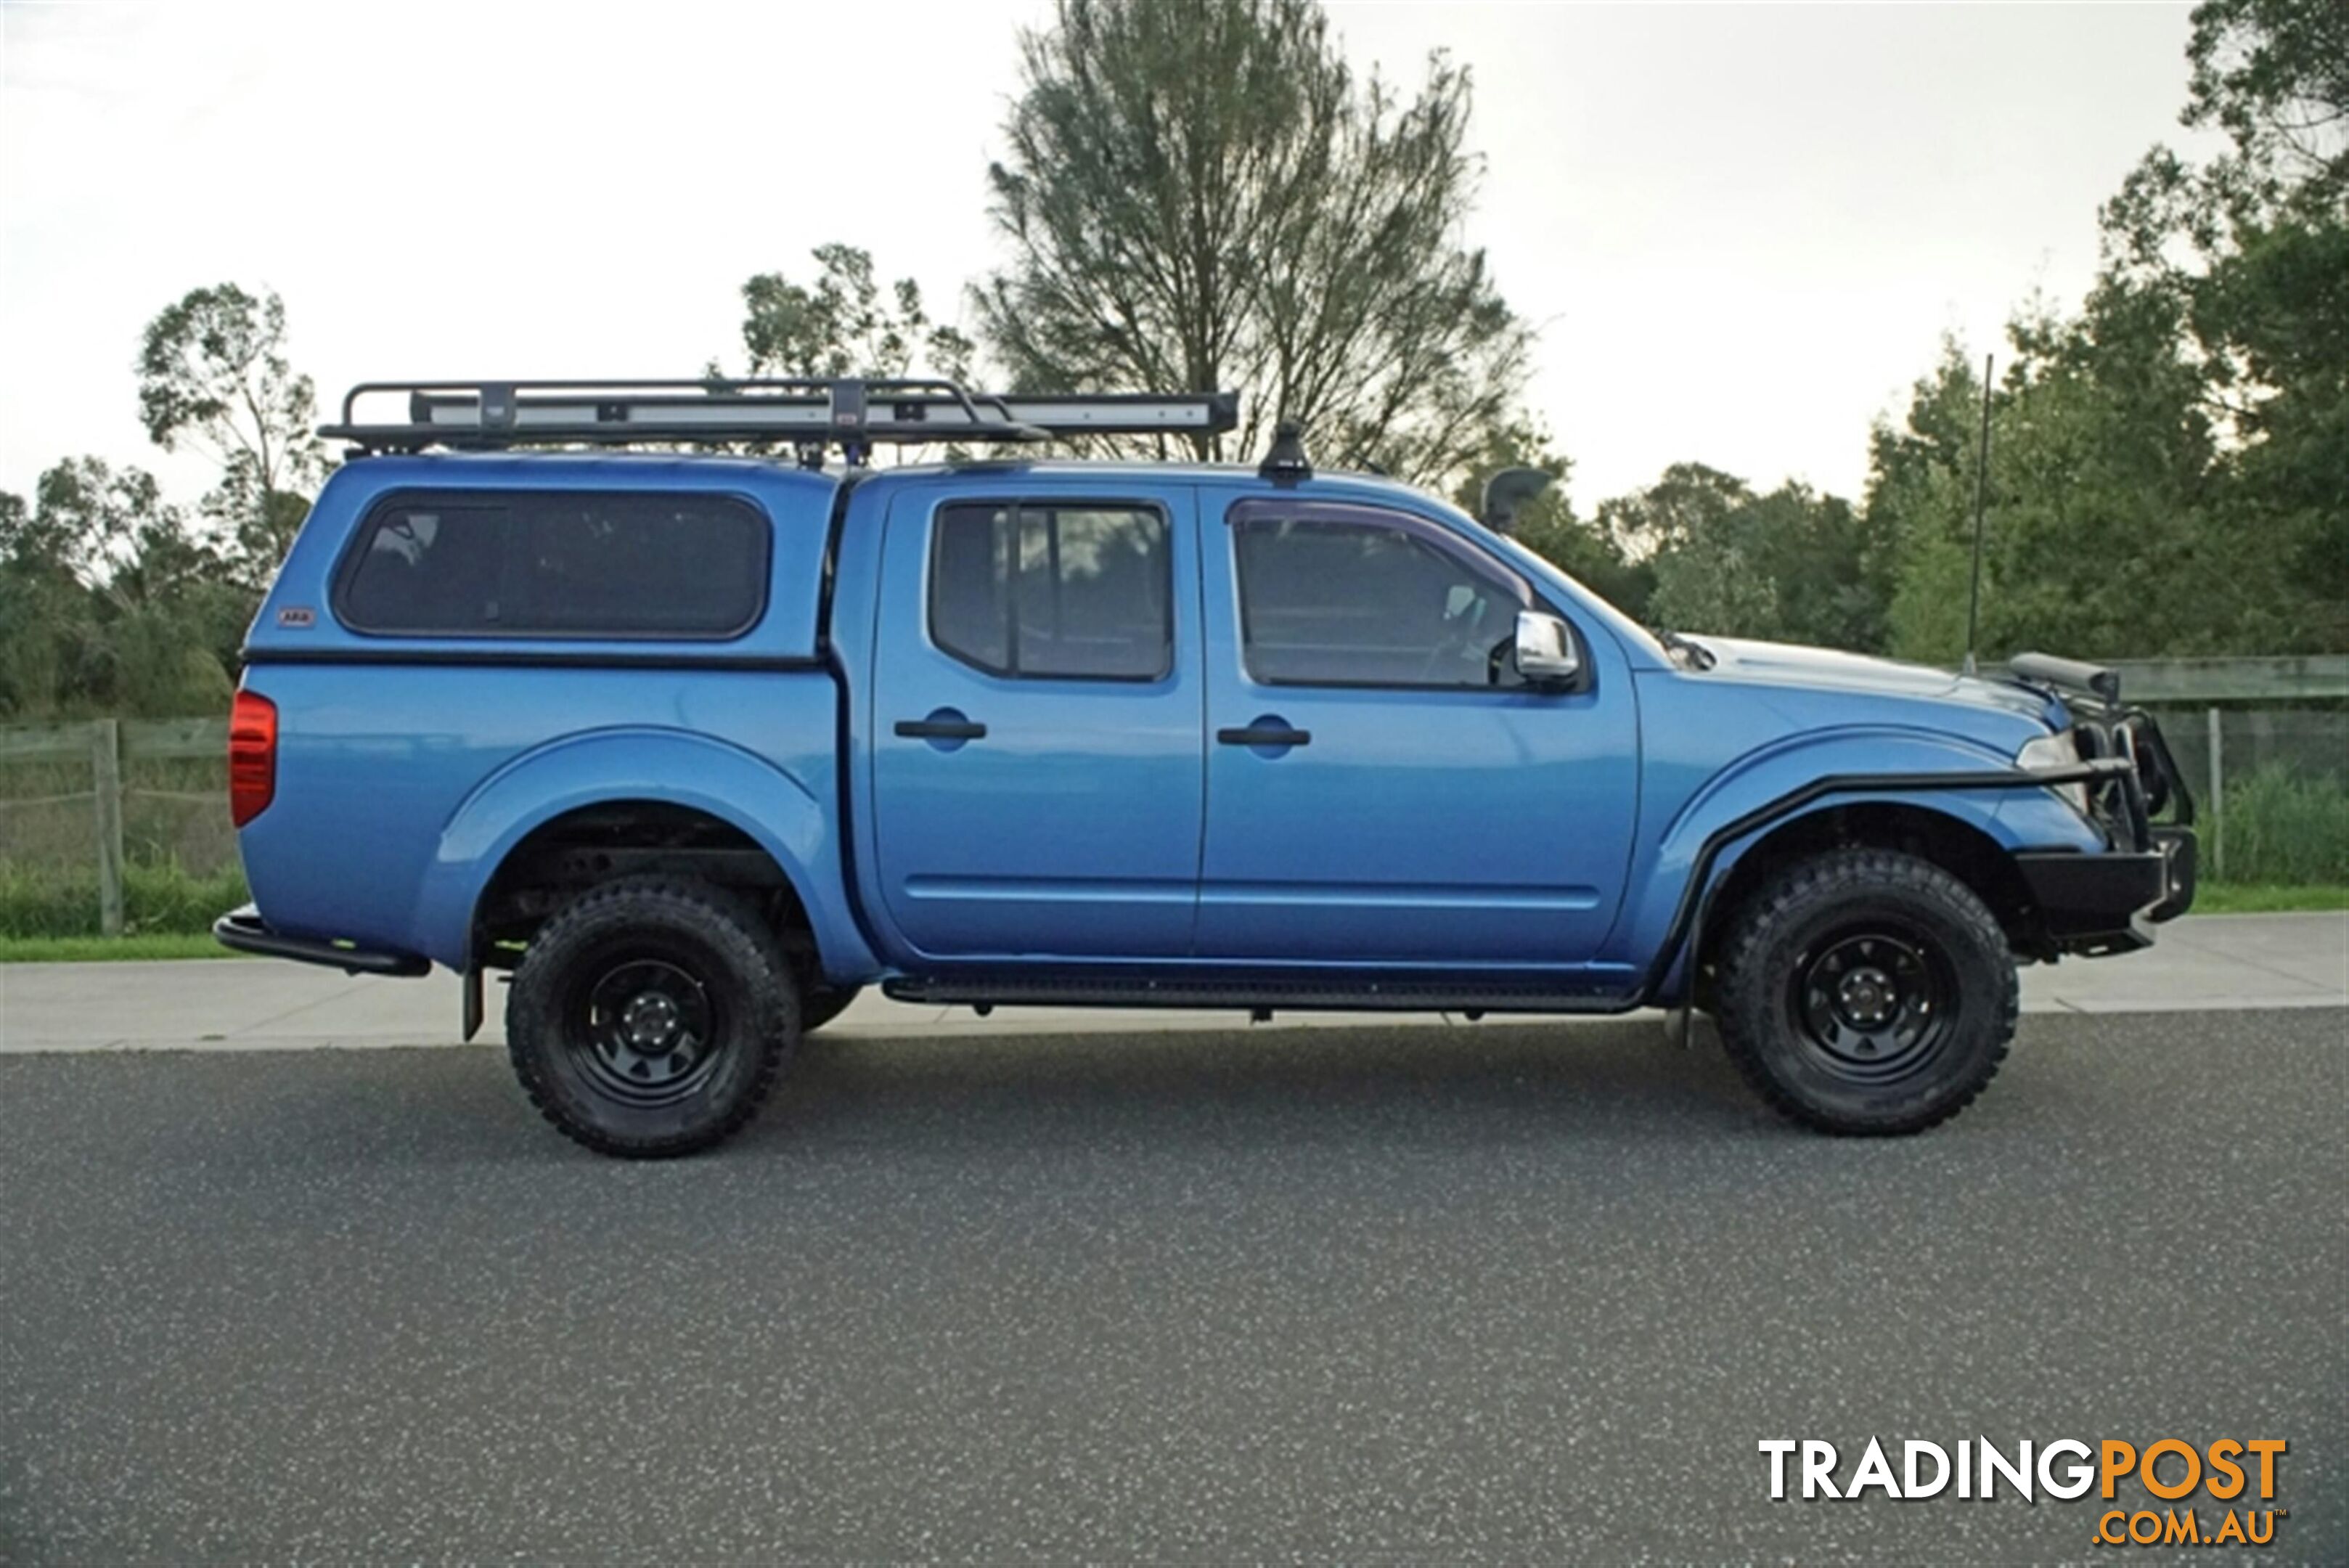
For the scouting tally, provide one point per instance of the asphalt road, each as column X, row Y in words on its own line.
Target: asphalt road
column 1522, row 1292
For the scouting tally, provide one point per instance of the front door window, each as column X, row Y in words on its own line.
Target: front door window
column 1331, row 602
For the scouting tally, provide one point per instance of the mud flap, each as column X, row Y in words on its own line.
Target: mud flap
column 471, row 981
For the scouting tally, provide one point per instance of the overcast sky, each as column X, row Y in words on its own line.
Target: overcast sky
column 1743, row 230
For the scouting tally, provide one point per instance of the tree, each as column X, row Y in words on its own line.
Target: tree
column 2274, row 75
column 1711, row 584
column 109, row 602
column 85, row 520
column 1689, row 503
column 1699, row 551
column 1831, row 568
column 2280, row 306
column 1792, row 566
column 2170, row 467
column 213, row 375
column 843, row 326
column 44, row 612
column 2251, row 251
column 2104, row 538
column 1202, row 197
column 1679, row 526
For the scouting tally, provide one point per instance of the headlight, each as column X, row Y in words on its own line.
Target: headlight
column 2060, row 749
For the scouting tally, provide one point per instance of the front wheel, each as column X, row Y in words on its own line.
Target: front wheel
column 651, row 1016
column 1867, row 991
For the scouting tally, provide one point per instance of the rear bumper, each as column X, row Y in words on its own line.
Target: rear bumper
column 243, row 929
column 2109, row 903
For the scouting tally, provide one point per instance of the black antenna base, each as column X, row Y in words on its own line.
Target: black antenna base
column 1287, row 463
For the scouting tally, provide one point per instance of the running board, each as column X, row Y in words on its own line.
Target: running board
column 242, row 928
column 1260, row 996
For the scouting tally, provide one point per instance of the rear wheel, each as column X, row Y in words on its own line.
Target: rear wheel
column 651, row 1016
column 1867, row 991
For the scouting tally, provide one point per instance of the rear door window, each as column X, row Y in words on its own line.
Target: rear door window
column 1068, row 593
column 558, row 564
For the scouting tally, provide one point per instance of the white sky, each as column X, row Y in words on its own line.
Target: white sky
column 1744, row 229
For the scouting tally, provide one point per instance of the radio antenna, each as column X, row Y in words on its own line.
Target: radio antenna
column 1981, row 497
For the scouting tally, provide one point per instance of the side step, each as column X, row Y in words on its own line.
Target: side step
column 1258, row 996
column 242, row 928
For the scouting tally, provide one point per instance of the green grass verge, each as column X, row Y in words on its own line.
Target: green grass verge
column 2283, row 829
column 99, row 949
column 157, row 901
column 2267, row 898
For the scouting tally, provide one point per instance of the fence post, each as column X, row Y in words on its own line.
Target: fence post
column 2218, row 801
column 106, row 784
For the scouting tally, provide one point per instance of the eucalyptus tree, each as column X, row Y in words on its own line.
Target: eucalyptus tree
column 214, row 378
column 1206, row 197
column 843, row 324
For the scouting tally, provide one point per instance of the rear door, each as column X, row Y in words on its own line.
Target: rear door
column 1037, row 723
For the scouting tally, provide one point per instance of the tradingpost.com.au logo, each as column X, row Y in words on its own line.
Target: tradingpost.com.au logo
column 2171, row 1470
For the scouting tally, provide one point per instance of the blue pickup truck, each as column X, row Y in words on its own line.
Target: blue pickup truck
column 698, row 744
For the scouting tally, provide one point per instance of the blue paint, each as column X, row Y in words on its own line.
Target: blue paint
column 1097, row 822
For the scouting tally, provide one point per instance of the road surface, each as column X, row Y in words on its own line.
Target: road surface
column 1515, row 1292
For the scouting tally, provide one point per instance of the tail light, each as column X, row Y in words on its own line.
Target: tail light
column 252, row 756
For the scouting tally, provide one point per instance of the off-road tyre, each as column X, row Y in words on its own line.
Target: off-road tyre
column 1866, row 992
column 819, row 1004
column 604, row 976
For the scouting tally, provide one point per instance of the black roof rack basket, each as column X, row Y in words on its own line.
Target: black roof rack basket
column 854, row 415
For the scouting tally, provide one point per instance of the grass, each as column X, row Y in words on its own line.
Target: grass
column 157, row 901
column 2268, row 898
column 2282, row 829
column 100, row 950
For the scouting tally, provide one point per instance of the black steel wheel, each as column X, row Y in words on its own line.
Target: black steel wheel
column 650, row 1015
column 640, row 1028
column 1867, row 991
column 1875, row 1001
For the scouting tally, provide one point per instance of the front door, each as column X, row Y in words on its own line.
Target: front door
column 1381, row 790
column 1036, row 726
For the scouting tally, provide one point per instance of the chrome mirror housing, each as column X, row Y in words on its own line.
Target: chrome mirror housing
column 1545, row 651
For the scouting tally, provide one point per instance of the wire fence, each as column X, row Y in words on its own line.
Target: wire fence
column 87, row 809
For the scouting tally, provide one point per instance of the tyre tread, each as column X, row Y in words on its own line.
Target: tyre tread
column 721, row 916
column 1852, row 869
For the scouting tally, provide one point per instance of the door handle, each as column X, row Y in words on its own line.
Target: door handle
column 1265, row 735
column 941, row 730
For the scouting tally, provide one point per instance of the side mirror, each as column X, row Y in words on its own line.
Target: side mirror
column 1546, row 654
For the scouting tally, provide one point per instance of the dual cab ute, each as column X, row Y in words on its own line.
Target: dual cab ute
column 697, row 746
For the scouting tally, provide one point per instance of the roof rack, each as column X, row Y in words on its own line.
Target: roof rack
column 810, row 413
